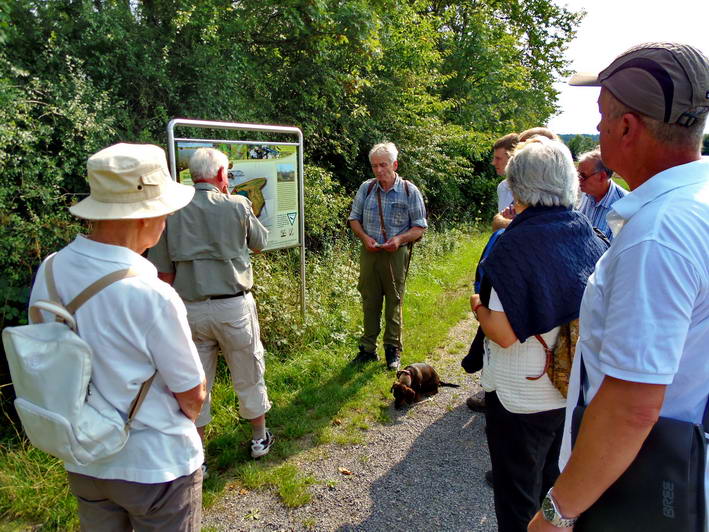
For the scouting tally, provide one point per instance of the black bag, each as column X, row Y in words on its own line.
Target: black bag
column 662, row 490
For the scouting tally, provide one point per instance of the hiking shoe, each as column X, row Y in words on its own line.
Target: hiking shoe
column 476, row 402
column 393, row 356
column 260, row 448
column 205, row 472
column 365, row 356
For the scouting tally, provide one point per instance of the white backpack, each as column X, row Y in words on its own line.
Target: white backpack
column 50, row 365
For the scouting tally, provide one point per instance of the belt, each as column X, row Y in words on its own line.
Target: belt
column 229, row 296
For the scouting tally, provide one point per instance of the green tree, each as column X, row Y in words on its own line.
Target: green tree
column 580, row 144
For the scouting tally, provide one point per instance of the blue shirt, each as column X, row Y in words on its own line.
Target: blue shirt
column 596, row 212
column 401, row 211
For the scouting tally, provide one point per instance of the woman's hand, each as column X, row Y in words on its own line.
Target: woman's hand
column 474, row 301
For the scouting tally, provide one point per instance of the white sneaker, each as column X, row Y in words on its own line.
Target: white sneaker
column 260, row 448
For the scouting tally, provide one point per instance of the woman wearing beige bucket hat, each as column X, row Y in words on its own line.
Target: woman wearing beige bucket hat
column 136, row 327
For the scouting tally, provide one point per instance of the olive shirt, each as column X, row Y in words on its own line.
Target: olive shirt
column 206, row 244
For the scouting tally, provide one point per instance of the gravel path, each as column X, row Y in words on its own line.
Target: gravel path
column 423, row 471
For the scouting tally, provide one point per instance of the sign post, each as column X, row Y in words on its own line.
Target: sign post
column 269, row 173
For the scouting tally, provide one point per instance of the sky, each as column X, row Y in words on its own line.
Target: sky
column 609, row 28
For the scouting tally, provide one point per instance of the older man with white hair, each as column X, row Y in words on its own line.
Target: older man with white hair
column 204, row 254
column 641, row 360
column 387, row 215
column 136, row 327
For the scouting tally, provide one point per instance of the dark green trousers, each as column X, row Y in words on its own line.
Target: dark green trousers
column 382, row 277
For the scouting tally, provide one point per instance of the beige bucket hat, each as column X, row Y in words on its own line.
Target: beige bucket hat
column 129, row 181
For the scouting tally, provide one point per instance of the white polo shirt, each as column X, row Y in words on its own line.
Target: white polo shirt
column 645, row 312
column 134, row 326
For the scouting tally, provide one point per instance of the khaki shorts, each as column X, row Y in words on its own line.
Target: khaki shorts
column 231, row 326
column 110, row 505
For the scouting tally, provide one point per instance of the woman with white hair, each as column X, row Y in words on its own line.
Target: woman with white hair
column 535, row 277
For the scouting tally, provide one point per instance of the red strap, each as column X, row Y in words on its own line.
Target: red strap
column 550, row 355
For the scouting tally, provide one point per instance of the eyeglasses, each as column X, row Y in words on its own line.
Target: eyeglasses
column 583, row 177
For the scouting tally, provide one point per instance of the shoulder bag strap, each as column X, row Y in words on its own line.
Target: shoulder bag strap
column 381, row 215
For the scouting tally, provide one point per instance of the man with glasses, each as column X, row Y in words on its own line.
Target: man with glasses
column 600, row 192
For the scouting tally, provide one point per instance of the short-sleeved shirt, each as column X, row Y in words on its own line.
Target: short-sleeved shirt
column 597, row 211
column 402, row 211
column 504, row 195
column 645, row 312
column 206, row 245
column 134, row 326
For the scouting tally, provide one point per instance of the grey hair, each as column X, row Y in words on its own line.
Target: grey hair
column 385, row 148
column 542, row 172
column 673, row 134
column 206, row 162
column 595, row 156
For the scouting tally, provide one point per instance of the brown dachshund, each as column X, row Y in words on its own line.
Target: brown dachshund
column 416, row 381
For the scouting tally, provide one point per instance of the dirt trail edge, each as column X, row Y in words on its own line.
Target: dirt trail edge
column 423, row 471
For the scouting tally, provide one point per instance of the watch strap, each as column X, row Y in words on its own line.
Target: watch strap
column 554, row 516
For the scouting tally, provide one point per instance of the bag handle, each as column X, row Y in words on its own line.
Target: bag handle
column 61, row 313
column 550, row 357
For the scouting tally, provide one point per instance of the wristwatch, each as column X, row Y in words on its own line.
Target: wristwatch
column 551, row 513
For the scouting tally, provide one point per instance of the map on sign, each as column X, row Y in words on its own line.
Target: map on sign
column 266, row 175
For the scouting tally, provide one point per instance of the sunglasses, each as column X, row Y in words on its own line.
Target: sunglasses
column 583, row 177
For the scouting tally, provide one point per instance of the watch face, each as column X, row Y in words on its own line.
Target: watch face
column 548, row 509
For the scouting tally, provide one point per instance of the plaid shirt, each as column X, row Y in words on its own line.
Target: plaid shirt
column 401, row 212
column 596, row 212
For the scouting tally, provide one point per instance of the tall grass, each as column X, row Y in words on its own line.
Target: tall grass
column 317, row 395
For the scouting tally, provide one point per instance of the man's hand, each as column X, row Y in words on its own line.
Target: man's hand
column 191, row 401
column 509, row 212
column 370, row 244
column 392, row 244
column 500, row 222
column 169, row 278
column 539, row 524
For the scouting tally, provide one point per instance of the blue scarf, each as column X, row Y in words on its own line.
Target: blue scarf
column 539, row 268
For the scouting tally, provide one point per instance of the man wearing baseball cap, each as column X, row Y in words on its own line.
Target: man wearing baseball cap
column 136, row 327
column 645, row 312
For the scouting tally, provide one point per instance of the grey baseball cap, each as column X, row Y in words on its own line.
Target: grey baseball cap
column 665, row 81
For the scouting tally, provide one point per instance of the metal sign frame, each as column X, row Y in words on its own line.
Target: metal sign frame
column 265, row 128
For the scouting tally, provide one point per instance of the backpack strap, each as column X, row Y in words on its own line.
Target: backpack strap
column 135, row 405
column 60, row 311
column 95, row 287
column 49, row 277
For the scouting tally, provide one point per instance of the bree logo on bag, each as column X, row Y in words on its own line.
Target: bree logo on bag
column 668, row 499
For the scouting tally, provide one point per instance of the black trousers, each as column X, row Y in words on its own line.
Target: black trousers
column 524, row 450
